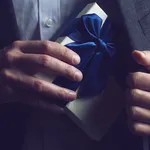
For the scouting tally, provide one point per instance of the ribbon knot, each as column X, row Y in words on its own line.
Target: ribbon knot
column 101, row 45
column 93, row 43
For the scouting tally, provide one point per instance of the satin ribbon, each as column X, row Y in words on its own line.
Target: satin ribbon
column 93, row 43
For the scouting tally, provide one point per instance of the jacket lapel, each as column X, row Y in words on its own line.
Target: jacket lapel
column 143, row 15
column 8, row 28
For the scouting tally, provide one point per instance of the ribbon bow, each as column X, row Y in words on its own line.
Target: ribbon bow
column 93, row 43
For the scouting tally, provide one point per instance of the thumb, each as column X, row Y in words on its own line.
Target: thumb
column 142, row 57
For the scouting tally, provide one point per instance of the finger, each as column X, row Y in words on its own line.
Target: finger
column 142, row 57
column 138, row 98
column 30, row 63
column 139, row 114
column 50, row 48
column 9, row 95
column 139, row 80
column 19, row 79
column 50, row 63
column 140, row 128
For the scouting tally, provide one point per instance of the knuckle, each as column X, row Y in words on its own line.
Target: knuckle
column 38, row 86
column 46, row 44
column 64, row 51
column 68, row 70
column 135, row 128
column 5, row 74
column 134, row 112
column 9, row 56
column 62, row 94
column 16, row 43
column 45, row 60
column 134, row 94
column 135, row 78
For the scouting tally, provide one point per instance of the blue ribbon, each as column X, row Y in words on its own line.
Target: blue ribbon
column 93, row 43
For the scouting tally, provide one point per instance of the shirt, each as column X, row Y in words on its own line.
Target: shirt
column 41, row 19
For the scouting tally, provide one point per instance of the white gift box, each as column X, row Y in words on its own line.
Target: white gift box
column 95, row 115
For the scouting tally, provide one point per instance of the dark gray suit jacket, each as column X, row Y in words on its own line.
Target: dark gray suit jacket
column 131, row 22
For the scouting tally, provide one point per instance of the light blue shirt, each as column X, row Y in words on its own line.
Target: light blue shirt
column 40, row 19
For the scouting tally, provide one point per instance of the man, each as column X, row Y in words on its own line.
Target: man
column 39, row 20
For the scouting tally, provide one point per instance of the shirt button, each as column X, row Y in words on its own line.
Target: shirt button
column 49, row 22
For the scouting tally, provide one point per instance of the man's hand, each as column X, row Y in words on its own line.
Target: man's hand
column 24, row 58
column 138, row 96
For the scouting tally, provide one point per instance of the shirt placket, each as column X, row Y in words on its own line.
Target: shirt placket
column 49, row 18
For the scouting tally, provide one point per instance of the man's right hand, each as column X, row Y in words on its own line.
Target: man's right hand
column 24, row 58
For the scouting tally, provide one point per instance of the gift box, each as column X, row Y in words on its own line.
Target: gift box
column 100, row 99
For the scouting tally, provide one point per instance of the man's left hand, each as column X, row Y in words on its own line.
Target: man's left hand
column 138, row 96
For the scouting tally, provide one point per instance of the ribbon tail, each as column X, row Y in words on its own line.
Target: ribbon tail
column 96, row 76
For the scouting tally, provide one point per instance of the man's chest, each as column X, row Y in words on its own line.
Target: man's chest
column 49, row 15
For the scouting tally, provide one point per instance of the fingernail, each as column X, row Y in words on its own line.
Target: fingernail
column 71, row 95
column 138, row 56
column 76, row 59
column 78, row 76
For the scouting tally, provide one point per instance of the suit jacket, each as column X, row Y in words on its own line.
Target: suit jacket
column 131, row 22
